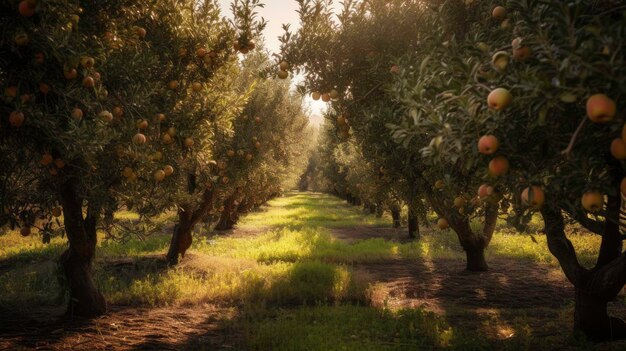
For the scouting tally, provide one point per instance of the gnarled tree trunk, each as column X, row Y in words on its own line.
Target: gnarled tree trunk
column 76, row 261
column 187, row 220
column 594, row 287
column 414, row 229
column 395, row 215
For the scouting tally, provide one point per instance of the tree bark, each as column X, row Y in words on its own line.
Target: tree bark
column 229, row 216
column 187, row 220
column 592, row 320
column 76, row 261
column 476, row 259
column 414, row 229
column 395, row 215
column 380, row 210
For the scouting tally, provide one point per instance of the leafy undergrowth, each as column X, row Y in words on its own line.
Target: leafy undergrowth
column 295, row 261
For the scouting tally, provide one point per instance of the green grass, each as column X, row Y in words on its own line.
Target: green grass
column 297, row 281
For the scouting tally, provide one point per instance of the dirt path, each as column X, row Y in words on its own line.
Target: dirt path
column 123, row 328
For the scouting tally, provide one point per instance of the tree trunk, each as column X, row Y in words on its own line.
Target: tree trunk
column 395, row 215
column 372, row 208
column 229, row 216
column 591, row 319
column 476, row 259
column 181, row 238
column 414, row 229
column 380, row 210
column 76, row 261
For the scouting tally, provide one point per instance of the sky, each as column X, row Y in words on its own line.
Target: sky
column 277, row 13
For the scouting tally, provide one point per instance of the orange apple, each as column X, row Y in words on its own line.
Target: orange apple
column 171, row 131
column 160, row 117
column 251, row 45
column 499, row 99
column 498, row 12
column 333, row 94
column 618, row 149
column 283, row 74
column 70, row 74
column 257, row 120
column 118, row 112
column 142, row 124
column 196, row 86
column 592, row 201
column 188, row 142
column 10, row 91
column 59, row 163
column 44, row 88
column 485, row 190
column 127, row 172
column 248, row 157
column 87, row 62
column 89, row 82
column 46, row 159
column 284, row 66
column 172, row 85
column 316, row 95
column 16, row 119
column 439, row 184
column 21, row 39
column 488, row 144
column 230, row 153
column 459, row 201
column 521, row 53
column 394, row 69
column 77, row 114
column 139, row 139
column 498, row 166
column 326, row 97
column 442, row 224
column 169, row 170
column 533, row 196
column 159, row 175
column 39, row 57
column 201, row 52
column 140, row 32
column 600, row 108
column 106, row 116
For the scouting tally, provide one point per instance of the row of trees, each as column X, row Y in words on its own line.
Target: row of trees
column 480, row 109
column 138, row 106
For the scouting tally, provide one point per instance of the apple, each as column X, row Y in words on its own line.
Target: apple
column 506, row 24
column 459, row 201
column 70, row 74
column 225, row 180
column 160, row 117
column 140, row 32
column 182, row 52
column 533, row 196
column 87, row 61
column 172, row 85
column 46, row 159
column 77, row 114
column 171, row 131
column 59, row 163
column 237, row 46
column 498, row 166
column 341, row 120
column 139, row 139
column 44, row 88
column 488, row 144
column 600, row 108
column 142, row 124
column 249, row 157
column 520, row 52
column 230, row 153
column 89, row 82
column 500, row 60
column 106, row 116
column 316, row 95
column 257, row 120
column 333, row 94
column 257, row 144
column 201, row 52
column 40, row 57
column 169, row 170
column 166, row 139
column 21, row 39
column 25, row 231
column 439, row 184
column 244, row 50
column 394, row 69
column 159, row 175
column 592, row 201
column 26, row 8
column 118, row 112
column 326, row 97
column 196, row 87
column 498, row 12
column 53, row 171
column 499, row 99
column 442, row 224
column 485, row 190
column 284, row 66
column 16, row 119
column 57, row 211
column 618, row 149
column 251, row 45
column 188, row 142
column 283, row 74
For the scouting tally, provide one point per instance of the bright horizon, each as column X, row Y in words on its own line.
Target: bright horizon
column 277, row 13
